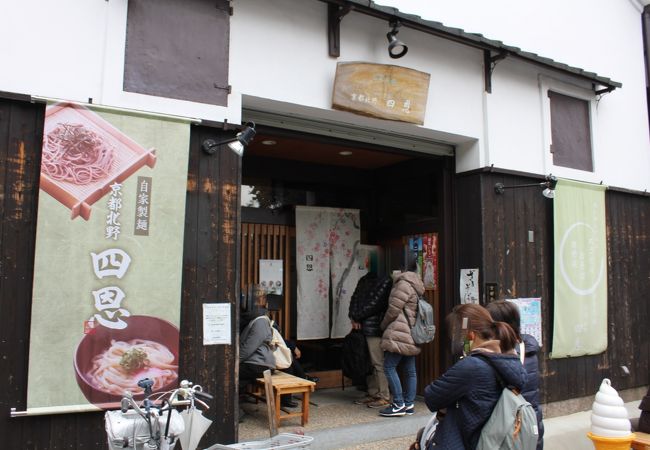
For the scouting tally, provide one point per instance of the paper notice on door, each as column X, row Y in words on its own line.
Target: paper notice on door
column 216, row 323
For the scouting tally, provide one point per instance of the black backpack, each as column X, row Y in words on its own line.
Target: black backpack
column 355, row 358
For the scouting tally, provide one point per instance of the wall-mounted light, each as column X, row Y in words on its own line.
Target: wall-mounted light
column 236, row 143
column 396, row 48
column 548, row 185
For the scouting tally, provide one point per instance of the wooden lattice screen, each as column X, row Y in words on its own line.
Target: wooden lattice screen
column 260, row 241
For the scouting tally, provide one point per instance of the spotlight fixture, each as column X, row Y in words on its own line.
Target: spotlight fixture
column 396, row 48
column 548, row 185
column 236, row 143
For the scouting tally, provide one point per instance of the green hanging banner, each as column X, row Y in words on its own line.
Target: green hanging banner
column 580, row 296
column 108, row 263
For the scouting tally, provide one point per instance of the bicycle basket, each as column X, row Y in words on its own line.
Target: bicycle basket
column 130, row 430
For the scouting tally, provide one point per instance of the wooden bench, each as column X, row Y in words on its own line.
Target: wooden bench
column 641, row 441
column 284, row 384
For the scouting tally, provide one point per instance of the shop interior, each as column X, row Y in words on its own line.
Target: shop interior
column 399, row 195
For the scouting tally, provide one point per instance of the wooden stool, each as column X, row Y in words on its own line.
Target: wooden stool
column 283, row 384
column 641, row 441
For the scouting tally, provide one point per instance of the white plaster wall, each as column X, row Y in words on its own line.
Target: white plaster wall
column 279, row 52
column 52, row 49
column 602, row 36
column 74, row 50
column 279, row 56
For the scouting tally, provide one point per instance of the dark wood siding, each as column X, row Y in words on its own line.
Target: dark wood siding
column 209, row 275
column 525, row 269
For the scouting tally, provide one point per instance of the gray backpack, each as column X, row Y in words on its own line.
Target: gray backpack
column 424, row 329
column 512, row 424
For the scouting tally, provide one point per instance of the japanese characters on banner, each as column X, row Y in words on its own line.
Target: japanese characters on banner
column 580, row 324
column 107, row 269
column 426, row 248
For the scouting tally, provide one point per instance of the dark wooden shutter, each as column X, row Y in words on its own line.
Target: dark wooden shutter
column 571, row 132
column 178, row 49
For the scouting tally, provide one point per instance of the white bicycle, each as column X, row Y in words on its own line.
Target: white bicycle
column 160, row 422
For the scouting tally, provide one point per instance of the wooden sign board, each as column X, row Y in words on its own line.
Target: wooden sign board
column 381, row 90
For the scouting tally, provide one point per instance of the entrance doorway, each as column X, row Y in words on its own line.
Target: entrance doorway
column 400, row 195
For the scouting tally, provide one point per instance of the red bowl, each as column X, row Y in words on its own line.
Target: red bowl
column 99, row 340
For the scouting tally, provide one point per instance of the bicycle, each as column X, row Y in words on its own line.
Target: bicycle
column 156, row 423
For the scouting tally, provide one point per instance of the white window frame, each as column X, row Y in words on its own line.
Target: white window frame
column 547, row 84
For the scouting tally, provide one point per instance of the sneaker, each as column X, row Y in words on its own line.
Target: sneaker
column 393, row 410
column 410, row 410
column 364, row 400
column 378, row 403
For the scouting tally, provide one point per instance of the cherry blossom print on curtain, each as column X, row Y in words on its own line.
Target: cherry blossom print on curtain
column 312, row 267
column 326, row 241
column 344, row 238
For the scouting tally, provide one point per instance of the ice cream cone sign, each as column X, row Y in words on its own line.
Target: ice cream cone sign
column 610, row 424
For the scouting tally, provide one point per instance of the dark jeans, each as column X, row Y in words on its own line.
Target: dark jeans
column 295, row 369
column 391, row 361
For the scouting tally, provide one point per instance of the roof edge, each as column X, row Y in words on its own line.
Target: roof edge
column 475, row 40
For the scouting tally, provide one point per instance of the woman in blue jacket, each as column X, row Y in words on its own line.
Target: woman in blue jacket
column 465, row 395
column 527, row 349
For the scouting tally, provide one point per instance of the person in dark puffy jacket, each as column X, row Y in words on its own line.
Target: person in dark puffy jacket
column 465, row 395
column 508, row 312
column 367, row 307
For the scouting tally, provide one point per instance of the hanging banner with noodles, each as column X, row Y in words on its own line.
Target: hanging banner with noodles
column 107, row 268
column 580, row 295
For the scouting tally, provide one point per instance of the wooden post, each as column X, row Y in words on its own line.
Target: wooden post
column 270, row 402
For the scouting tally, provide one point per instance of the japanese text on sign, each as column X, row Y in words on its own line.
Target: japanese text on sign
column 143, row 206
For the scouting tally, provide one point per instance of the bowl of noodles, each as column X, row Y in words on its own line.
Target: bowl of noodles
column 109, row 362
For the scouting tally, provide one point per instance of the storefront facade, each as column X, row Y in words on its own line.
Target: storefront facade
column 487, row 120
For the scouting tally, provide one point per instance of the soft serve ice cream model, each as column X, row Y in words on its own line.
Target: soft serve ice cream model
column 610, row 425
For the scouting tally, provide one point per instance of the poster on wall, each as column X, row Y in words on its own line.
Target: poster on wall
column 430, row 261
column 271, row 278
column 530, row 312
column 469, row 285
column 108, row 257
column 415, row 246
column 425, row 247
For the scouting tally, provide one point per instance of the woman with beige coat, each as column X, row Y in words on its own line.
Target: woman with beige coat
column 397, row 343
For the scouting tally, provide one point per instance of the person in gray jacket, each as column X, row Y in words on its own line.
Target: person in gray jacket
column 255, row 352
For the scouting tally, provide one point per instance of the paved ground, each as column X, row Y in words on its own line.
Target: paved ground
column 336, row 423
